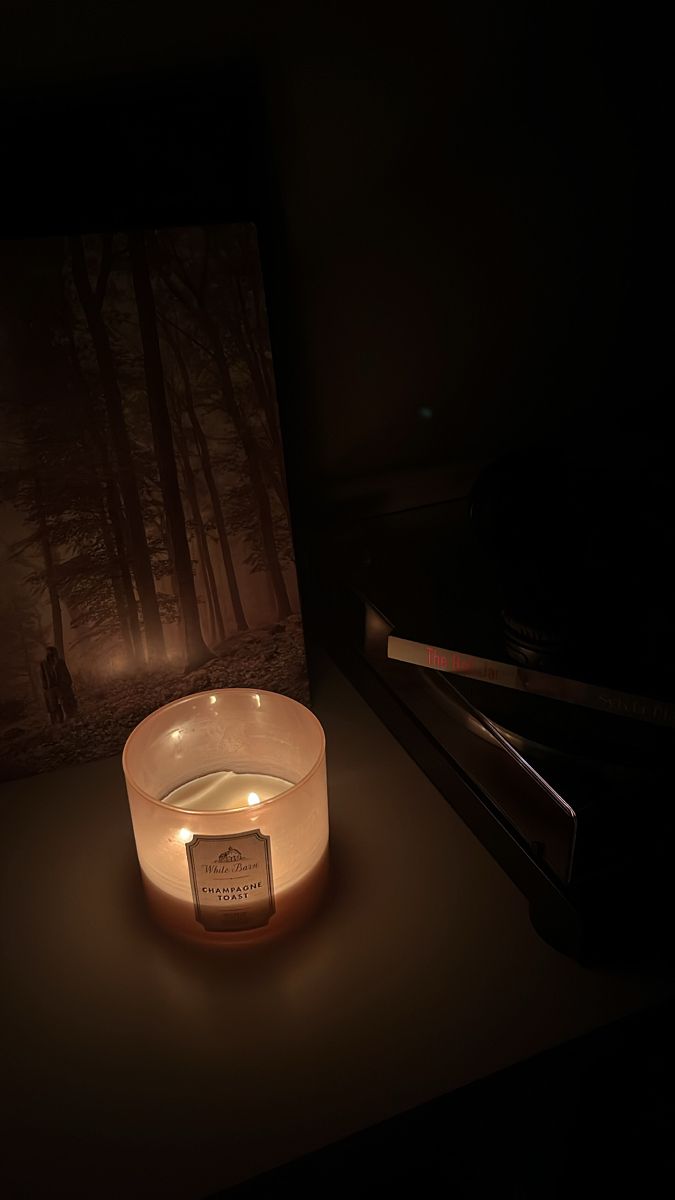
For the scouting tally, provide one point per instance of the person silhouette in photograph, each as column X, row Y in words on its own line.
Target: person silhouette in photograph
column 57, row 686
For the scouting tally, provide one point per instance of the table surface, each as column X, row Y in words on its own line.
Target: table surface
column 136, row 1066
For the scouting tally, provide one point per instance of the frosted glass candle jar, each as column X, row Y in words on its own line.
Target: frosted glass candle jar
column 228, row 799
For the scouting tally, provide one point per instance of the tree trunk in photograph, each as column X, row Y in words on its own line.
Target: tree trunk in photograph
column 164, row 532
column 263, row 389
column 52, row 590
column 138, row 545
column 115, row 576
column 200, row 532
column 211, row 590
column 260, row 335
column 213, row 635
column 250, row 448
column 263, row 335
column 214, row 495
column 248, row 348
column 260, row 369
column 197, row 651
column 117, row 524
column 248, row 344
column 28, row 662
column 114, row 545
column 274, row 468
column 274, row 481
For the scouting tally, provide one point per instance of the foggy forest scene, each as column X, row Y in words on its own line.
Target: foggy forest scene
column 145, row 541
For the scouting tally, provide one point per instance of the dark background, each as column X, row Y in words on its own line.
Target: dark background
column 463, row 212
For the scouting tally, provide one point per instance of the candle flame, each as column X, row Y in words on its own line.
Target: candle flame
column 253, row 798
column 185, row 835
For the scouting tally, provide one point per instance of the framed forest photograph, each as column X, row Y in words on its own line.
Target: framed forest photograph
column 145, row 537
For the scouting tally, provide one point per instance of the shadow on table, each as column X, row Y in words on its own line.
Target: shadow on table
column 588, row 1117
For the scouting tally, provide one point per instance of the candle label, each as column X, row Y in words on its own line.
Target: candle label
column 231, row 879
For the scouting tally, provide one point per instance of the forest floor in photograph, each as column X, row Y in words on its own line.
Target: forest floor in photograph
column 107, row 714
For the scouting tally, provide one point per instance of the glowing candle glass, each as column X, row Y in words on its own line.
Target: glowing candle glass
column 228, row 799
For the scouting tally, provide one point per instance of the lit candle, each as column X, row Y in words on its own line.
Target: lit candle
column 227, row 792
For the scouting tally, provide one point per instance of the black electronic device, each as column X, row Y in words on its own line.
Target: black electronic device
column 521, row 647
